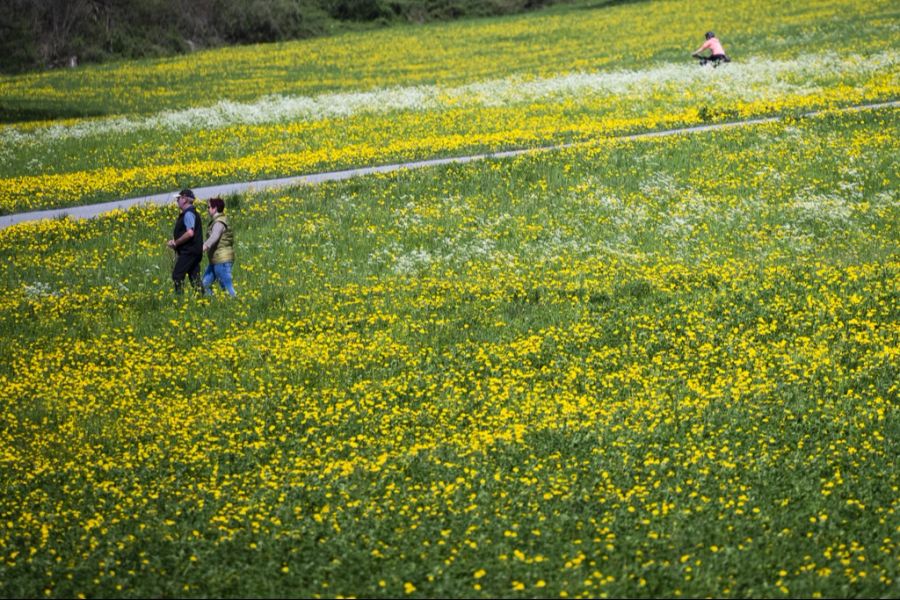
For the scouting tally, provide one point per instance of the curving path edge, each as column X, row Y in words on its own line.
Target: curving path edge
column 92, row 210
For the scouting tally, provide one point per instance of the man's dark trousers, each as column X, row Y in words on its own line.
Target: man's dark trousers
column 187, row 264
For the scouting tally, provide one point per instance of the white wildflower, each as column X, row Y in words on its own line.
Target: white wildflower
column 749, row 79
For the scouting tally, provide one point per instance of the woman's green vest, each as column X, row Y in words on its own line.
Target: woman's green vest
column 224, row 250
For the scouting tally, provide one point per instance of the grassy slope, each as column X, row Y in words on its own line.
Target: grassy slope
column 562, row 39
column 660, row 367
column 556, row 101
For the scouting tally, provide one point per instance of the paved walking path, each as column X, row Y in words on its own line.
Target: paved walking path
column 92, row 210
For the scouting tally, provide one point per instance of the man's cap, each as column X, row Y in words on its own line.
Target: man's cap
column 188, row 194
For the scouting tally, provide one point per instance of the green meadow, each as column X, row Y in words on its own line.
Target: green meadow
column 657, row 367
column 576, row 73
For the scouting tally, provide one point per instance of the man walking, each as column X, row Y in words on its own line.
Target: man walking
column 187, row 241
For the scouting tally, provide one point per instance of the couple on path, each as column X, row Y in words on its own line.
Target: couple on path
column 189, row 248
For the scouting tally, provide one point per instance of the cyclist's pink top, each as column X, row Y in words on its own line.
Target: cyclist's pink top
column 713, row 44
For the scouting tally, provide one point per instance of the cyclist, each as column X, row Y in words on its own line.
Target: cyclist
column 717, row 52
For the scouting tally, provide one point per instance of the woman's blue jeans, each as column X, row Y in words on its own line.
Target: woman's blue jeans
column 220, row 273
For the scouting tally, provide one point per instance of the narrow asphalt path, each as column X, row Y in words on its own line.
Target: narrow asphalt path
column 92, row 210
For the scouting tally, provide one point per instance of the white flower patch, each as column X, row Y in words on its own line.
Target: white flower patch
column 407, row 218
column 39, row 289
column 886, row 199
column 748, row 79
column 659, row 185
column 413, row 262
column 831, row 208
column 475, row 249
column 797, row 239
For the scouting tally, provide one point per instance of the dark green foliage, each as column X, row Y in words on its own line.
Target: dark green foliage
column 38, row 34
column 16, row 47
column 266, row 21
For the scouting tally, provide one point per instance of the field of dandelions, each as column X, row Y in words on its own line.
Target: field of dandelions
column 664, row 366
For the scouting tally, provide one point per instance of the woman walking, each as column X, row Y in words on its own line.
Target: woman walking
column 219, row 248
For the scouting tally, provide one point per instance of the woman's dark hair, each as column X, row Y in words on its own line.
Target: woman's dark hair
column 218, row 204
column 710, row 35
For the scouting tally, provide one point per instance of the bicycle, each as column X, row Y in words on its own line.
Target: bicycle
column 714, row 60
